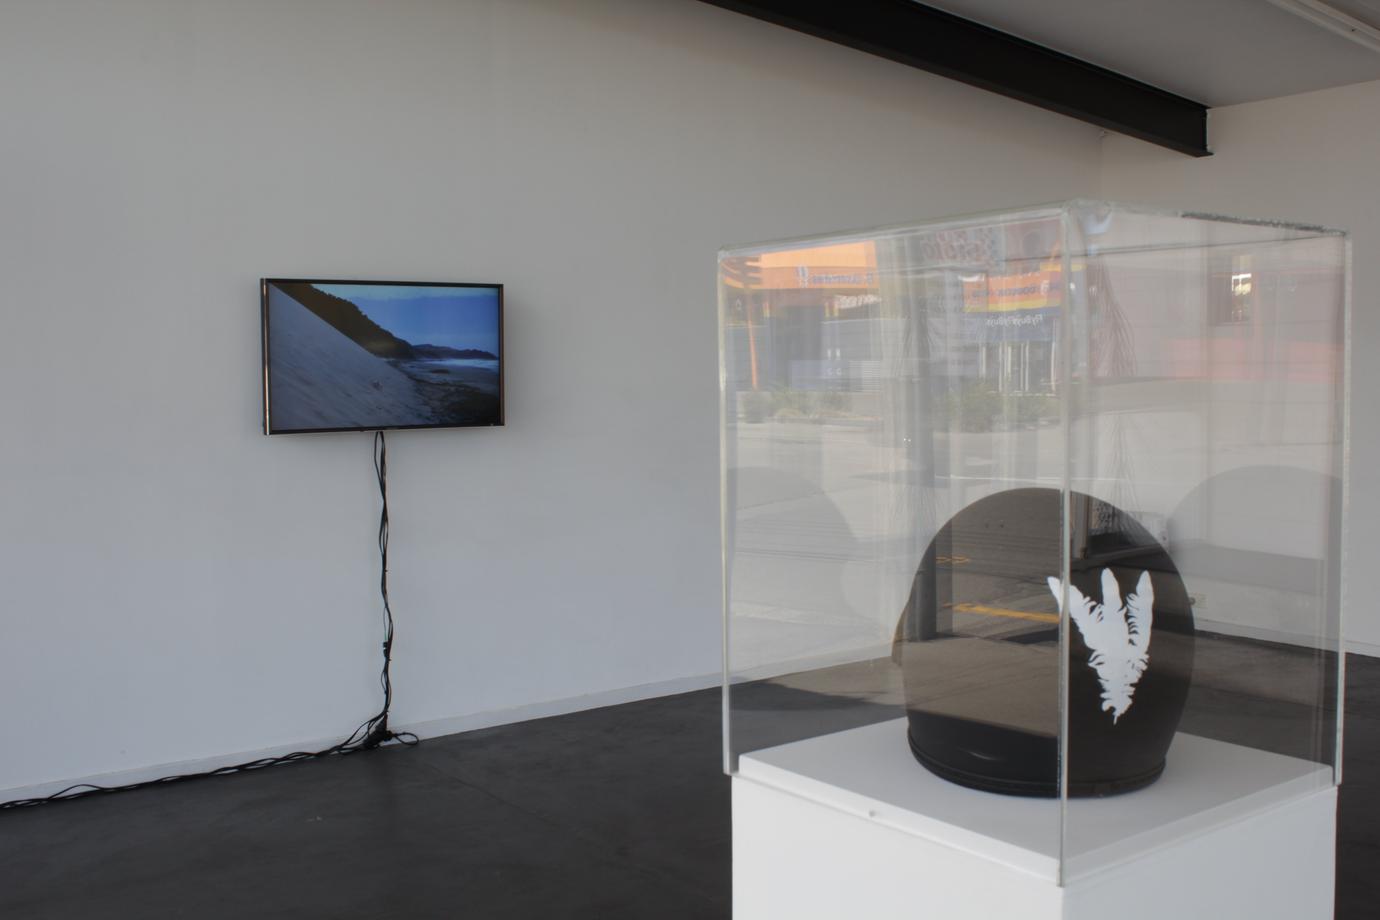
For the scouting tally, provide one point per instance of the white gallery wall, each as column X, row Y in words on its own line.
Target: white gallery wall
column 1309, row 158
column 178, row 587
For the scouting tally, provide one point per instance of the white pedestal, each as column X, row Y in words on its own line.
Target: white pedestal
column 849, row 825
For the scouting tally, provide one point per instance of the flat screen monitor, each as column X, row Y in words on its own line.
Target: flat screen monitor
column 368, row 355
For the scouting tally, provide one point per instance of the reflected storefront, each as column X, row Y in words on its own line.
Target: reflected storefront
column 808, row 319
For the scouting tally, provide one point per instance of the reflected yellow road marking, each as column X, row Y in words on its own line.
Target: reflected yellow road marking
column 983, row 610
column 952, row 560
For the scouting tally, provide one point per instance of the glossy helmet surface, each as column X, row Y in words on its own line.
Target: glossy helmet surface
column 979, row 645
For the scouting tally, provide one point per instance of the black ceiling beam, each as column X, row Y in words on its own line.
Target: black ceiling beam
column 960, row 49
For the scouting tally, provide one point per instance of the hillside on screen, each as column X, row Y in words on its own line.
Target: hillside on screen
column 348, row 356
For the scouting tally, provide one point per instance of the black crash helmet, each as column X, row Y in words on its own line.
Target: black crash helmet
column 979, row 646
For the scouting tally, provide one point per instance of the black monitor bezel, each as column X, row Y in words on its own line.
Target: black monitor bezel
column 264, row 341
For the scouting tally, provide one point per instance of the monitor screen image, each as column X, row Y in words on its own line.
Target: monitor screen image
column 367, row 355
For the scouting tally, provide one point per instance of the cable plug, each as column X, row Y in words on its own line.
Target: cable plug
column 376, row 738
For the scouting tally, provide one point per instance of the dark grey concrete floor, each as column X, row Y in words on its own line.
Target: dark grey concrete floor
column 613, row 813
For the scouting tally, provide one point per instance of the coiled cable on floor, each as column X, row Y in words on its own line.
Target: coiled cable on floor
column 369, row 735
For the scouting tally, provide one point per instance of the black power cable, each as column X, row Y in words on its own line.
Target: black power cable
column 369, row 735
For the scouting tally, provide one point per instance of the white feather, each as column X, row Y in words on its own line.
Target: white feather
column 1117, row 635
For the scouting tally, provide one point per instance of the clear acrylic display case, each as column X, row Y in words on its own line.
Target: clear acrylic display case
column 929, row 435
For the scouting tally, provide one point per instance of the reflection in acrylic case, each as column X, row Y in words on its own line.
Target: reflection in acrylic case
column 1044, row 510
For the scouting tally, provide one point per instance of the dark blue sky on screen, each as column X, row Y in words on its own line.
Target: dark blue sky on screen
column 457, row 317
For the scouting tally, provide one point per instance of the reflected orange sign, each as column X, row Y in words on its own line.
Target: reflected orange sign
column 843, row 266
column 1035, row 290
